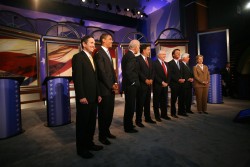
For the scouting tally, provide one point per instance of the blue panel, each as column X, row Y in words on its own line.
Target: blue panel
column 213, row 46
column 215, row 89
column 58, row 101
column 10, row 113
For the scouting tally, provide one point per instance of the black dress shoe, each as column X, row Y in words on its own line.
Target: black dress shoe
column 95, row 148
column 205, row 112
column 158, row 119
column 166, row 118
column 140, row 124
column 105, row 141
column 183, row 114
column 86, row 154
column 131, row 131
column 111, row 136
column 150, row 121
column 190, row 112
column 174, row 116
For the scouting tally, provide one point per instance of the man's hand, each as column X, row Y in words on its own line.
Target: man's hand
column 115, row 86
column 164, row 84
column 181, row 80
column 84, row 101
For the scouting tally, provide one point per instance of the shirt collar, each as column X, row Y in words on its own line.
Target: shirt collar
column 87, row 53
column 105, row 49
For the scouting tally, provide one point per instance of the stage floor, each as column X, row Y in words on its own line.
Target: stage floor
column 199, row 140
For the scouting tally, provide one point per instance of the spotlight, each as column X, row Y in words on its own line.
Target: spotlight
column 83, row 1
column 248, row 5
column 126, row 9
column 141, row 15
column 109, row 6
column 138, row 12
column 118, row 8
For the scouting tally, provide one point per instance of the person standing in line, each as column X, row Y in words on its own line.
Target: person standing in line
column 201, row 84
column 130, row 84
column 87, row 97
column 160, row 86
column 176, row 84
column 188, row 76
column 108, row 85
column 146, row 75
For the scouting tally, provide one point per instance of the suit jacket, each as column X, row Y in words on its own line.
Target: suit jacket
column 84, row 77
column 105, row 71
column 187, row 73
column 160, row 75
column 176, row 73
column 145, row 71
column 129, row 70
column 226, row 75
column 200, row 76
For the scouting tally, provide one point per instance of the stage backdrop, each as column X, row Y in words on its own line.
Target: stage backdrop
column 214, row 46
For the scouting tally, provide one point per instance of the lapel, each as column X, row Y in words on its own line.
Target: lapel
column 144, row 62
column 106, row 56
column 85, row 57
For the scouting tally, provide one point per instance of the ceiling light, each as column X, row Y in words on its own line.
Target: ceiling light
column 248, row 5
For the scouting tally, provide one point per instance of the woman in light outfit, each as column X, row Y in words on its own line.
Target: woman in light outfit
column 201, row 84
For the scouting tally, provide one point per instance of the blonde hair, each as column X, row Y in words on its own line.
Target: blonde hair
column 198, row 56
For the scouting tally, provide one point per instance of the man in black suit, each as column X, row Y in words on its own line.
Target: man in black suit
column 108, row 85
column 87, row 96
column 176, row 84
column 146, row 75
column 160, row 86
column 188, row 76
column 130, row 84
column 226, row 78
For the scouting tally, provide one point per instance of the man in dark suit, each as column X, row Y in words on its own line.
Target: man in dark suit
column 130, row 84
column 108, row 85
column 87, row 96
column 226, row 77
column 188, row 76
column 146, row 75
column 176, row 84
column 160, row 86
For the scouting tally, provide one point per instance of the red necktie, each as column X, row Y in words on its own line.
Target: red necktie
column 164, row 68
column 146, row 60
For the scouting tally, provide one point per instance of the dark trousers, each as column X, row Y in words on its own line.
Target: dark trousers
column 143, row 102
column 177, row 92
column 130, row 102
column 85, row 125
column 188, row 94
column 105, row 115
column 160, row 99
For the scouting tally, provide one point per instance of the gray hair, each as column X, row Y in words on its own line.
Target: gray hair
column 133, row 44
column 161, row 52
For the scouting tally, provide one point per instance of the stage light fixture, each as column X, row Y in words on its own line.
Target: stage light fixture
column 109, row 6
column 133, row 11
column 96, row 4
column 126, row 9
column 83, row 1
column 248, row 5
column 118, row 9
column 138, row 12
